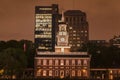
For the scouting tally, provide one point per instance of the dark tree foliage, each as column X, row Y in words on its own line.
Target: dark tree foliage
column 26, row 45
column 13, row 61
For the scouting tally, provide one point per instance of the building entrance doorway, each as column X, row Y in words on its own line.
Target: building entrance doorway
column 62, row 74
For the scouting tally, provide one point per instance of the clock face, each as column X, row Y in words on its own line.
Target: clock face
column 62, row 39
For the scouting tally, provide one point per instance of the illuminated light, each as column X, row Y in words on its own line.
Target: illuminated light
column 111, row 71
column 1, row 71
column 84, row 72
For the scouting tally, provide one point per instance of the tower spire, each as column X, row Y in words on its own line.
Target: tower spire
column 62, row 19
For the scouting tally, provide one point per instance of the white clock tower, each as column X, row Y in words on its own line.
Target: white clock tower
column 62, row 37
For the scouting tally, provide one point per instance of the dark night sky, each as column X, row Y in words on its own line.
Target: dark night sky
column 17, row 17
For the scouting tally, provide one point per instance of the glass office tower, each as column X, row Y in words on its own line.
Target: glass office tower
column 45, row 23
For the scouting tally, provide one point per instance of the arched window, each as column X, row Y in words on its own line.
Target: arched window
column 39, row 62
column 84, row 72
column 38, row 72
column 67, row 62
column 44, row 62
column 67, row 73
column 56, row 72
column 44, row 73
column 62, row 62
column 50, row 73
column 73, row 62
column 79, row 73
column 56, row 62
column 50, row 62
column 85, row 62
column 79, row 62
column 73, row 72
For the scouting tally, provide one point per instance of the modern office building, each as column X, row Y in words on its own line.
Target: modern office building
column 45, row 22
column 105, row 73
column 62, row 63
column 98, row 42
column 78, row 28
column 115, row 41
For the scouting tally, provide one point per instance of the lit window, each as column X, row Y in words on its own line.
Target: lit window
column 50, row 73
column 85, row 62
column 74, row 31
column 44, row 62
column 81, row 31
column 79, row 62
column 62, row 49
column 78, row 38
column 50, row 62
column 70, row 27
column 73, row 72
column 74, row 34
column 70, row 41
column 84, row 72
column 85, row 34
column 56, row 62
column 70, row 44
column 56, row 73
column 78, row 45
column 111, row 77
column 111, row 71
column 74, row 38
column 67, row 73
column 62, row 62
column 67, row 62
column 79, row 72
column 78, row 41
column 44, row 73
column 39, row 62
column 73, row 45
column 61, row 73
column 73, row 62
column 39, row 72
column 85, row 31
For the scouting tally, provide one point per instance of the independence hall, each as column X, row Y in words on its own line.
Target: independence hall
column 57, row 38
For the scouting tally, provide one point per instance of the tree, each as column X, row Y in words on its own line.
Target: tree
column 13, row 61
column 29, row 51
column 2, row 45
column 12, row 43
